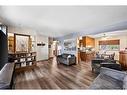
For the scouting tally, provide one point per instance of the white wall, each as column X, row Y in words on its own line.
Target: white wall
column 123, row 44
column 42, row 51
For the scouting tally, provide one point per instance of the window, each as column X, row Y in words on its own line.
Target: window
column 109, row 45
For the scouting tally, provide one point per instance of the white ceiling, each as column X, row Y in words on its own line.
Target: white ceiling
column 62, row 20
column 110, row 34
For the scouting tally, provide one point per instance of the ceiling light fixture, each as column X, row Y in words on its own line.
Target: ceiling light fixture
column 104, row 37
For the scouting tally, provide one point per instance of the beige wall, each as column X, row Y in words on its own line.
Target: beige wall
column 42, row 51
column 123, row 43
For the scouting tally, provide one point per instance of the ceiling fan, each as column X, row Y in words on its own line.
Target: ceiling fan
column 105, row 37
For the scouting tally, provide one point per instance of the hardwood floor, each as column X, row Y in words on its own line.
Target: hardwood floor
column 50, row 75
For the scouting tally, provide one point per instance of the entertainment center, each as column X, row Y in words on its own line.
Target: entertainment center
column 23, row 60
column 20, row 51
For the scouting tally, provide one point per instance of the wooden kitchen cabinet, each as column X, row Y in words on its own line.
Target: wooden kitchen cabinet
column 87, row 57
column 87, row 42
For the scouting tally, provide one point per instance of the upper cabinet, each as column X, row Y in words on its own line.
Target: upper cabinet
column 87, row 42
column 90, row 42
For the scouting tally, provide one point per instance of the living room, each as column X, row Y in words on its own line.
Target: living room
column 83, row 55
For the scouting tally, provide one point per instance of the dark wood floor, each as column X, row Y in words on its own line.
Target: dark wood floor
column 50, row 75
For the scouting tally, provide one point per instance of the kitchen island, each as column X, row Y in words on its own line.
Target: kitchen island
column 87, row 56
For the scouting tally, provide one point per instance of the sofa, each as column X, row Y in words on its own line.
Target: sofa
column 67, row 59
column 7, row 76
column 110, row 79
column 97, row 63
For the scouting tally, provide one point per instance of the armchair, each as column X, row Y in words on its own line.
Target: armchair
column 67, row 59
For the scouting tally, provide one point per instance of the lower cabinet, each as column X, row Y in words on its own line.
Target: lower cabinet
column 87, row 57
column 123, row 59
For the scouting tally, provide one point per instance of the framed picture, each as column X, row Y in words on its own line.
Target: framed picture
column 70, row 45
column 21, row 43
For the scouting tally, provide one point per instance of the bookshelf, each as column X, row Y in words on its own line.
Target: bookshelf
column 23, row 60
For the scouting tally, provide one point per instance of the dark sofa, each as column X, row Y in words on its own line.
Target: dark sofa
column 97, row 63
column 67, row 59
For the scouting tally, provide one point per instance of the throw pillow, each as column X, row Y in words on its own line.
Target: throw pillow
column 69, row 56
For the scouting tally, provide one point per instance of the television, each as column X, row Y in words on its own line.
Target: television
column 3, row 48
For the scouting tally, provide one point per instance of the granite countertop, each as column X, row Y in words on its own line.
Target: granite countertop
column 88, row 52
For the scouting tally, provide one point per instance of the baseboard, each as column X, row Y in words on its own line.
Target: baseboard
column 42, row 60
column 50, row 57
